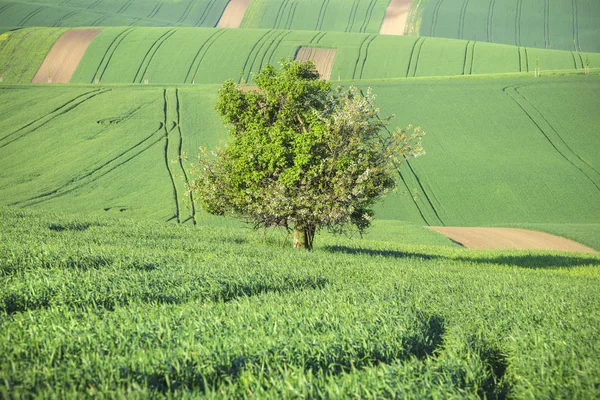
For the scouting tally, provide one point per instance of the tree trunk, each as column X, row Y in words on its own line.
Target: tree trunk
column 303, row 237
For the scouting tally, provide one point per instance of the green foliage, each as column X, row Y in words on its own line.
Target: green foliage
column 301, row 154
column 124, row 308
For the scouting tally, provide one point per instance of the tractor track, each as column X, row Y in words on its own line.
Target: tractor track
column 352, row 16
column 180, row 158
column 246, row 70
column 490, row 22
column 145, row 64
column 321, row 17
column 57, row 112
column 368, row 15
column 461, row 23
column 201, row 54
column 415, row 54
column 108, row 55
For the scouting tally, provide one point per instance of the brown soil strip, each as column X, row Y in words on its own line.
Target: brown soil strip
column 395, row 18
column 322, row 58
column 64, row 57
column 234, row 14
column 509, row 238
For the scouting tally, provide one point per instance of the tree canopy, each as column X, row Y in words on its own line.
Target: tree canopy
column 302, row 154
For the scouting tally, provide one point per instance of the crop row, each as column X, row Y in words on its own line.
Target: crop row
column 94, row 306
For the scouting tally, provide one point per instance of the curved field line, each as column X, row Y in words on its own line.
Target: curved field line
column 472, row 58
column 362, row 68
column 526, row 58
column 94, row 4
column 124, row 7
column 110, row 51
column 166, row 130
column 280, row 12
column 291, row 15
column 412, row 51
column 205, row 13
column 466, row 56
column 321, row 17
column 272, row 45
column 257, row 53
column 200, row 55
column 461, row 23
column 358, row 59
column 276, row 46
column 93, row 175
column 186, row 12
column 574, row 61
column 490, row 22
column 318, row 40
column 436, row 12
column 518, row 23
column 581, row 59
column 64, row 17
column 576, row 43
column 150, row 55
column 5, row 7
column 31, row 15
column 180, row 155
column 547, row 23
column 517, row 95
column 156, row 10
column 259, row 41
column 352, row 16
column 425, row 193
column 99, row 20
column 368, row 14
column 57, row 112
column 414, row 57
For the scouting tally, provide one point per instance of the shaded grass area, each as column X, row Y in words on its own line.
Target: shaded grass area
column 98, row 306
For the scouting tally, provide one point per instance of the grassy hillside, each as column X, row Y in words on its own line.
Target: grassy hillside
column 196, row 55
column 318, row 15
column 23, row 13
column 499, row 151
column 136, row 309
column 549, row 24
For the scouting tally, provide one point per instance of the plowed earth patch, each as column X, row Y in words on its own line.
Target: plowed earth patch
column 509, row 238
column 234, row 14
column 64, row 57
column 395, row 17
column 322, row 58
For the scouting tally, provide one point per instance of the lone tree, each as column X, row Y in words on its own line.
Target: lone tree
column 302, row 156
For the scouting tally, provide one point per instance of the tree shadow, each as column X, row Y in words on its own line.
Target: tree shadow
column 531, row 261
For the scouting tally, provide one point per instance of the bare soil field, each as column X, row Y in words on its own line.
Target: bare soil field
column 509, row 238
column 322, row 58
column 64, row 57
column 234, row 14
column 396, row 14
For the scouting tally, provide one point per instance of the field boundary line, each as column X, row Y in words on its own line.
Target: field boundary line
column 207, row 43
column 180, row 157
column 112, row 47
column 525, row 102
column 149, row 56
column 63, row 109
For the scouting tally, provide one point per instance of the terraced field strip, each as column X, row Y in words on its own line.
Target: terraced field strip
column 234, row 14
column 322, row 58
column 396, row 14
column 509, row 238
column 64, row 57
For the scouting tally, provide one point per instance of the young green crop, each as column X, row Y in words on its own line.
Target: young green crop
column 124, row 308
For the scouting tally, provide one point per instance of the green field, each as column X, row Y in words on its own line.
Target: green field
column 115, row 284
column 547, row 24
column 123, row 308
column 488, row 143
column 23, row 13
column 206, row 55
column 318, row 15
